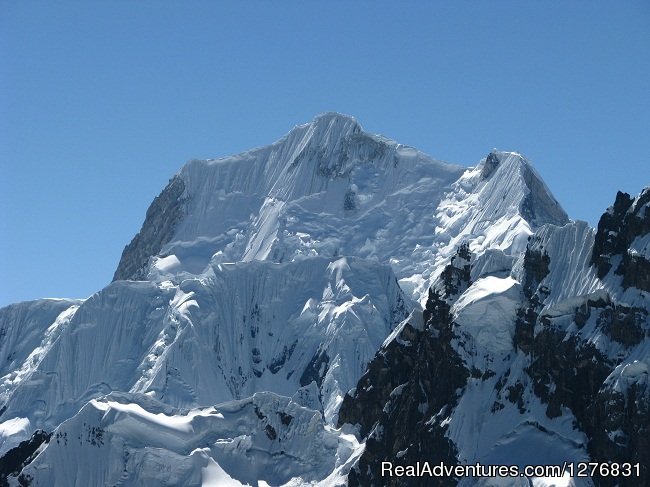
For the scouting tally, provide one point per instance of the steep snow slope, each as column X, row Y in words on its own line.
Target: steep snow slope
column 329, row 189
column 27, row 330
column 130, row 439
column 235, row 330
column 493, row 208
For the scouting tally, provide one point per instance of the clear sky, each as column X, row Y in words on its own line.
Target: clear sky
column 102, row 102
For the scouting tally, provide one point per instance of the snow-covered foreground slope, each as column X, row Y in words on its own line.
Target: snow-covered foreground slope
column 298, row 313
column 131, row 439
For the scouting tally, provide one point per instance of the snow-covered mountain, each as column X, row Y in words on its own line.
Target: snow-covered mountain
column 298, row 313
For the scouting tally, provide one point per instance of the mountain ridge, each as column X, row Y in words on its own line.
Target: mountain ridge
column 331, row 171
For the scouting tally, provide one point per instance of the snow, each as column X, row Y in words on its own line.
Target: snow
column 286, row 200
column 486, row 312
column 569, row 248
column 290, row 200
column 181, row 424
column 258, row 325
column 641, row 246
column 509, row 437
column 12, row 432
column 127, row 438
column 630, row 372
column 212, row 475
column 634, row 370
column 565, row 481
column 166, row 264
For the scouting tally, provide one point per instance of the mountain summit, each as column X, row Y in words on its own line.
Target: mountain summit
column 299, row 313
column 328, row 188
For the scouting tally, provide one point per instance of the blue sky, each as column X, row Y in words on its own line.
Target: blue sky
column 102, row 102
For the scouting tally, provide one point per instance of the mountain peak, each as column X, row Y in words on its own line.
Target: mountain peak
column 490, row 164
column 330, row 133
column 325, row 189
column 334, row 118
column 327, row 129
column 514, row 173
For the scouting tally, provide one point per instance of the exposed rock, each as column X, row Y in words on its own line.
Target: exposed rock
column 278, row 362
column 636, row 272
column 401, row 402
column 566, row 372
column 623, row 324
column 17, row 458
column 569, row 372
column 316, row 369
column 349, row 201
column 618, row 227
column 456, row 276
column 410, row 388
column 524, row 328
column 158, row 228
column 490, row 164
column 536, row 268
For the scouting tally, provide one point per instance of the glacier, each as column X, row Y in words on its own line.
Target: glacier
column 293, row 314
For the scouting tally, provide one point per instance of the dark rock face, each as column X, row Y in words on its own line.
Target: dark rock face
column 536, row 267
column 570, row 372
column 316, row 369
column 611, row 235
column 566, row 372
column 157, row 229
column 624, row 221
column 524, row 328
column 409, row 389
column 617, row 422
column 624, row 433
column 623, row 324
column 456, row 276
column 17, row 458
column 278, row 362
column 636, row 272
column 349, row 201
column 491, row 163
